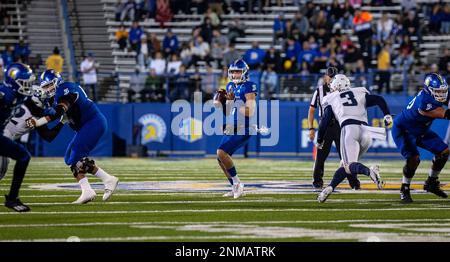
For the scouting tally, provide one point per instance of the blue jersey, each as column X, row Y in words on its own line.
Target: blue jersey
column 240, row 90
column 10, row 103
column 81, row 108
column 410, row 118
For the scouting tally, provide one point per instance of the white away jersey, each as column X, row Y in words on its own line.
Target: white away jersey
column 17, row 127
column 348, row 104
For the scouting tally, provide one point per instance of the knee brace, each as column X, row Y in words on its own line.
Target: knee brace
column 411, row 165
column 440, row 160
column 85, row 165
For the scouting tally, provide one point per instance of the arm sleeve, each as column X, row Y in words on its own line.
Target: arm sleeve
column 374, row 100
column 314, row 99
column 49, row 134
column 64, row 103
column 326, row 120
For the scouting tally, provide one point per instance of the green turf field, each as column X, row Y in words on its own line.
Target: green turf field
column 181, row 200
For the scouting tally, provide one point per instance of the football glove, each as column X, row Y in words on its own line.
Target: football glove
column 387, row 120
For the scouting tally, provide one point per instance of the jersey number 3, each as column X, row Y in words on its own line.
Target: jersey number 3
column 351, row 101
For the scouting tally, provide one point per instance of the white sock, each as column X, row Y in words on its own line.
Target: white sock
column 84, row 184
column 433, row 173
column 235, row 179
column 102, row 174
column 406, row 180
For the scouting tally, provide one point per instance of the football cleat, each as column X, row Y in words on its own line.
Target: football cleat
column 433, row 185
column 405, row 195
column 375, row 176
column 229, row 194
column 238, row 190
column 326, row 192
column 110, row 187
column 16, row 205
column 318, row 183
column 86, row 196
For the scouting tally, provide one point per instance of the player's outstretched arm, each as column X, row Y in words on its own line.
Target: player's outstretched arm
column 439, row 112
column 375, row 100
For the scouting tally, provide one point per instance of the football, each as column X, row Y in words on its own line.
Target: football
column 220, row 98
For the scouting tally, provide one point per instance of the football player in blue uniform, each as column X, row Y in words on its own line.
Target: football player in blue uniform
column 17, row 85
column 243, row 93
column 411, row 129
column 89, row 124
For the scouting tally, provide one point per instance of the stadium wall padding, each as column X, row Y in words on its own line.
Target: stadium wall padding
column 153, row 123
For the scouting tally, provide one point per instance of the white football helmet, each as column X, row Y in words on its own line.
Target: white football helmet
column 339, row 83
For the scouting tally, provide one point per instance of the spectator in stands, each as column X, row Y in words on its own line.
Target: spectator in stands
column 411, row 25
column 180, row 85
column 174, row 65
column 408, row 5
column 157, row 64
column 8, row 55
column 186, row 53
column 404, row 61
column 22, row 52
column 355, row 3
column 88, row 69
column 55, row 61
column 128, row 10
column 254, row 56
column 209, row 83
column 230, row 55
column 200, row 51
column 290, row 29
column 273, row 59
column 319, row 20
column 206, row 30
column 148, row 9
column 200, row 5
column 216, row 54
column 214, row 18
column 269, row 82
column 444, row 60
column 306, row 55
column 279, row 27
column 170, row 43
column 320, row 61
column 5, row 18
column 384, row 27
column 362, row 22
column 235, row 30
column 137, row 82
column 351, row 57
column 301, row 26
column 154, row 44
column 122, row 37
column 434, row 23
column 163, row 12
column 347, row 19
column 217, row 6
column 153, row 90
column 384, row 67
column 134, row 36
column 322, row 36
column 445, row 24
column 118, row 10
column 220, row 39
column 143, row 52
column 293, row 48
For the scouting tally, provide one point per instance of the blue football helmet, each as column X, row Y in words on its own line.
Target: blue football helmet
column 19, row 77
column 437, row 86
column 49, row 81
column 240, row 66
column 39, row 97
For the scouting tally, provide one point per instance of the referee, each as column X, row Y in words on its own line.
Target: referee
column 333, row 132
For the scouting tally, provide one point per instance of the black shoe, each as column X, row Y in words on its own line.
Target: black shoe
column 318, row 184
column 432, row 185
column 16, row 205
column 405, row 195
column 355, row 184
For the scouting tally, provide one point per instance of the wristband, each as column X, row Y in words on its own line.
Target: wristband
column 41, row 121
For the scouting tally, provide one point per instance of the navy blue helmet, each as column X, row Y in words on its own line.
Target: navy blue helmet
column 19, row 77
column 437, row 86
column 49, row 81
column 240, row 66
